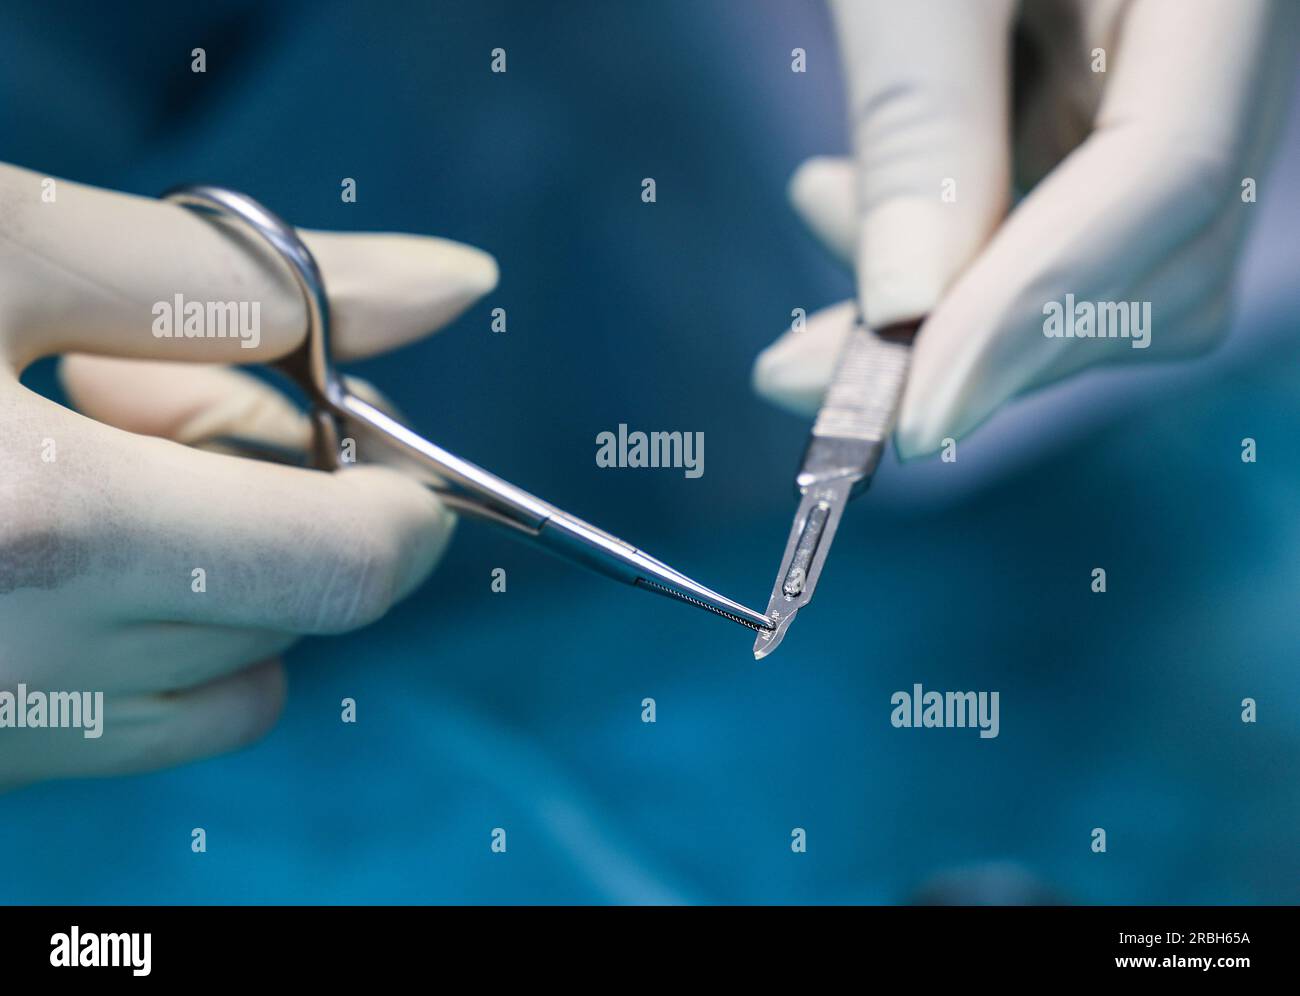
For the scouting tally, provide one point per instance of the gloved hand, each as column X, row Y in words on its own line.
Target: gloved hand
column 104, row 519
column 1136, row 177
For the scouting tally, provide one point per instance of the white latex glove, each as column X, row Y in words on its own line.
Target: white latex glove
column 1140, row 201
column 97, row 546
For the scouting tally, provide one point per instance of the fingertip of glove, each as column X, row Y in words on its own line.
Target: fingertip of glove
column 439, row 273
column 775, row 377
column 902, row 267
column 810, row 179
column 910, row 449
column 407, row 520
column 762, row 375
column 480, row 272
column 821, row 192
column 917, row 439
column 422, row 522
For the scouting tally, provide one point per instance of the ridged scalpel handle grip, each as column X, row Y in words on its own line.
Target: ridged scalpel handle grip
column 855, row 420
column 862, row 398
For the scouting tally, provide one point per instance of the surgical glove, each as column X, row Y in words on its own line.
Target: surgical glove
column 168, row 577
column 1141, row 130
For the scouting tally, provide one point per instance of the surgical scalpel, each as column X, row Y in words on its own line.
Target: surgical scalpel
column 848, row 439
column 337, row 411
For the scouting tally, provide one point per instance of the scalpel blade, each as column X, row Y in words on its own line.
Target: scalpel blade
column 847, row 442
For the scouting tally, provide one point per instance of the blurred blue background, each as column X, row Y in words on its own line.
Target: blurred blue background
column 523, row 710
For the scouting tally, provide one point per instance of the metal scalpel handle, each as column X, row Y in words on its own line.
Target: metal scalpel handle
column 845, row 447
column 857, row 416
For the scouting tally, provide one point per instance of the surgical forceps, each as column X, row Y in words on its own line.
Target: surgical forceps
column 335, row 410
column 848, row 439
